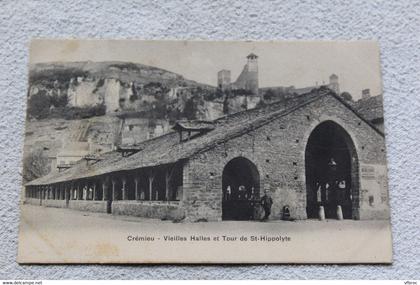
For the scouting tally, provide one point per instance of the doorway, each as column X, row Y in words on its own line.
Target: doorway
column 331, row 168
column 241, row 190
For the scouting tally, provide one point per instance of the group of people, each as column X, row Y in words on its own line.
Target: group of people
column 252, row 197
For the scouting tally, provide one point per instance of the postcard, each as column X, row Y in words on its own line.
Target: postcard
column 204, row 152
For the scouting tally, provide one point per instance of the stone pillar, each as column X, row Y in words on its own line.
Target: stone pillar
column 136, row 189
column 67, row 193
column 167, row 184
column 321, row 213
column 151, row 187
column 71, row 191
column 79, row 192
column 95, row 196
column 114, row 192
column 123, row 189
column 104, row 191
column 84, row 191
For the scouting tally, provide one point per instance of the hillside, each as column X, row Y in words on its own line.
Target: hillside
column 77, row 90
column 78, row 107
column 48, row 73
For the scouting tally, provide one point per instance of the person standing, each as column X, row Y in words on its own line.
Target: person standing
column 266, row 203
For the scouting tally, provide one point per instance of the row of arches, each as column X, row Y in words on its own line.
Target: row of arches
column 331, row 172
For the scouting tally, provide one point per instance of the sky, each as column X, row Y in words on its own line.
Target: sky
column 280, row 63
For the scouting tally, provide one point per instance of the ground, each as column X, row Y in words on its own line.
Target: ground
column 52, row 235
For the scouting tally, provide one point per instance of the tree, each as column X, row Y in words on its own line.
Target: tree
column 346, row 96
column 226, row 103
column 39, row 105
column 59, row 100
column 190, row 109
column 269, row 95
column 35, row 165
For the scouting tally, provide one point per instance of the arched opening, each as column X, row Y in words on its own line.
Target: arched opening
column 331, row 167
column 241, row 189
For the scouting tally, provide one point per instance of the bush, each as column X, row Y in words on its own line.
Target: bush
column 74, row 113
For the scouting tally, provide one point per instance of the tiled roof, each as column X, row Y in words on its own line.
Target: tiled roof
column 169, row 149
column 370, row 108
column 196, row 125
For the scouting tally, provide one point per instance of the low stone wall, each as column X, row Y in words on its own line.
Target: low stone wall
column 374, row 214
column 54, row 203
column 149, row 209
column 32, row 201
column 89, row 205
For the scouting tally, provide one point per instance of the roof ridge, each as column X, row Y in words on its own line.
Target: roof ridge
column 261, row 121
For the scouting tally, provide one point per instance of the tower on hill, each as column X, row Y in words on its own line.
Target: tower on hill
column 334, row 86
column 247, row 80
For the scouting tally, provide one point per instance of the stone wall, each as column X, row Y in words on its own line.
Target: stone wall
column 88, row 205
column 278, row 151
column 149, row 209
column 54, row 203
column 32, row 201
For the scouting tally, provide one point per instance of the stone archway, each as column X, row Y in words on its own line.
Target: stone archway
column 331, row 167
column 241, row 189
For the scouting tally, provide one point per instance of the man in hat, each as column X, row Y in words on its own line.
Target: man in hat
column 266, row 203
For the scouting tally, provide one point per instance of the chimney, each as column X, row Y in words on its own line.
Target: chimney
column 365, row 93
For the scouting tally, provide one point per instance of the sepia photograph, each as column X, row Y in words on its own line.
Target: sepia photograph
column 204, row 152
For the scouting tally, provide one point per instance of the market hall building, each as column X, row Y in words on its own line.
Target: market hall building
column 310, row 151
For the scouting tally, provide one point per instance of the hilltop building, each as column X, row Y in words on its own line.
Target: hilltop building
column 247, row 80
column 333, row 84
column 309, row 151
